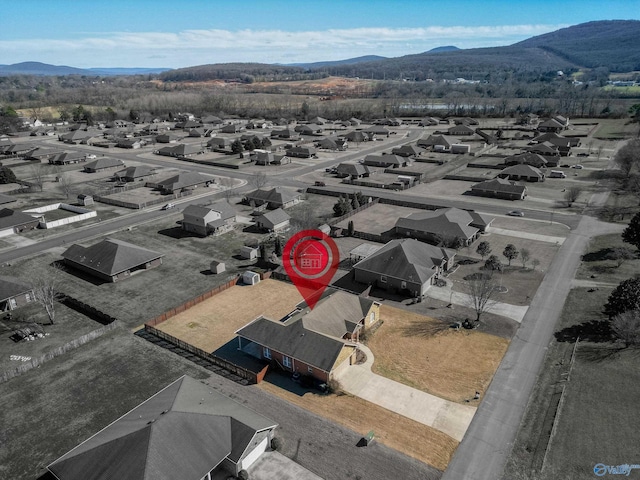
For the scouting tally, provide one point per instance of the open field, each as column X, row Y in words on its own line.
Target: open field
column 407, row 436
column 607, row 271
column 611, row 129
column 212, row 323
column 602, row 385
column 451, row 364
column 378, row 218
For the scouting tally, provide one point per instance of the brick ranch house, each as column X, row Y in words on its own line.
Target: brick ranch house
column 319, row 343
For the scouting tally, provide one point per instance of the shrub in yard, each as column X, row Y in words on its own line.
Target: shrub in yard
column 277, row 443
column 335, row 386
column 625, row 297
column 7, row 175
column 243, row 475
column 493, row 264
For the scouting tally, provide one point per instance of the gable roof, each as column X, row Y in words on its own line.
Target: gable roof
column 352, row 168
column 406, row 259
column 522, row 170
column 499, row 185
column 292, row 339
column 182, row 180
column 110, row 256
column 384, row 159
column 13, row 218
column 104, row 162
column 135, row 172
column 10, row 287
column 273, row 217
column 433, row 140
column 184, row 431
column 449, row 222
column 276, row 195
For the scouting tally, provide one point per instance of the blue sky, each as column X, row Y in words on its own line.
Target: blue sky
column 179, row 33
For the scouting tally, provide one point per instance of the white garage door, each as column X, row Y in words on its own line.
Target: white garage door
column 255, row 454
column 7, row 232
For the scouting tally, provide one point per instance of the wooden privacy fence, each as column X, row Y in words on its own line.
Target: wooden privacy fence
column 190, row 303
column 242, row 372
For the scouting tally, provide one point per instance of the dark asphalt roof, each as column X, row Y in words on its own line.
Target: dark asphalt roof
column 10, row 287
column 499, row 185
column 110, row 256
column 295, row 341
column 449, row 222
column 184, row 431
column 406, row 259
column 104, row 162
column 13, row 218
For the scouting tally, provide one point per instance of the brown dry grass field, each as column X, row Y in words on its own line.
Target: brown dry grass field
column 212, row 323
column 415, row 350
column 400, row 433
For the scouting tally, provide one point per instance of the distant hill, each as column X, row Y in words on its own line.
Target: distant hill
column 614, row 44
column 446, row 48
column 241, row 72
column 348, row 61
column 38, row 68
column 127, row 71
column 610, row 44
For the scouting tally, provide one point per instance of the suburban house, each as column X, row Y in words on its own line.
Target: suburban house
column 407, row 151
column 212, row 120
column 556, row 124
column 133, row 174
column 231, row 128
column 320, row 343
column 391, row 122
column 332, row 143
column 209, row 220
column 66, row 158
column 564, row 144
column 262, row 157
column 527, row 158
column 448, row 225
column 111, row 260
column 285, row 134
column 277, row 197
column 547, row 149
column 354, row 170
column 273, row 221
column 377, row 131
column 436, row 143
column 460, row 130
column 181, row 150
column 133, row 143
column 187, row 430
column 356, row 136
column 183, row 181
column 14, row 221
column 522, row 172
column 309, row 129
column 14, row 293
column 42, row 154
column 500, row 188
column 220, row 144
column 167, row 138
column 406, row 266
column 319, row 121
column 301, row 152
column 103, row 163
column 76, row 136
column 386, row 161
column 428, row 122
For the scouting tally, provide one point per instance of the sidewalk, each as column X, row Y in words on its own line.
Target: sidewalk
column 448, row 417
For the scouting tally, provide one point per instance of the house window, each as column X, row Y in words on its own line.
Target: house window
column 12, row 303
column 383, row 279
column 27, row 297
column 310, row 370
column 403, row 284
column 372, row 317
column 266, row 352
column 286, row 361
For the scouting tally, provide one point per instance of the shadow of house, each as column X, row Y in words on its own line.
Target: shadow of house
column 404, row 266
column 111, row 260
column 448, row 225
column 320, row 343
column 187, row 431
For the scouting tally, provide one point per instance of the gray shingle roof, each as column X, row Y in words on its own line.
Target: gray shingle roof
column 274, row 217
column 523, row 170
column 184, row 431
column 184, row 179
column 499, row 185
column 449, row 222
column 406, row 259
column 13, row 218
column 104, row 162
column 277, row 195
column 10, row 287
column 110, row 256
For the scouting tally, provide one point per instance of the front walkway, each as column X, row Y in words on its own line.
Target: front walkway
column 448, row 417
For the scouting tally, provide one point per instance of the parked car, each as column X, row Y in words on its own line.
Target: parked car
column 320, row 184
column 583, row 155
column 516, row 213
column 168, row 206
column 91, row 157
column 578, row 166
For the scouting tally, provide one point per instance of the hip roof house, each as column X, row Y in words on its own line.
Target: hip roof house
column 111, row 260
column 186, row 431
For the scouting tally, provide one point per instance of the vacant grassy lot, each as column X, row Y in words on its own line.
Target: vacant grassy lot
column 212, row 323
column 49, row 410
column 602, row 386
column 378, row 218
column 448, row 363
column 614, row 129
column 607, row 271
column 407, row 436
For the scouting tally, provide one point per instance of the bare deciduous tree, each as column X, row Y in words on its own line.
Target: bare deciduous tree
column 45, row 281
column 572, row 195
column 227, row 183
column 535, row 262
column 65, row 182
column 37, row 176
column 259, row 179
column 481, row 290
column 525, row 255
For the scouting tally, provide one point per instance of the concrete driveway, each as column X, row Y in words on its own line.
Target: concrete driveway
column 448, row 417
column 273, row 465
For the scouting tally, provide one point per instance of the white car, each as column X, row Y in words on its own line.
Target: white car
column 578, row 166
column 516, row 213
column 168, row 206
column 91, row 157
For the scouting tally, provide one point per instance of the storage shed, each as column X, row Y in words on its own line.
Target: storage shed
column 250, row 278
column 249, row 253
column 217, row 267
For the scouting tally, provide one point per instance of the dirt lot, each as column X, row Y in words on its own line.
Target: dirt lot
column 212, row 323
column 449, row 363
column 407, row 436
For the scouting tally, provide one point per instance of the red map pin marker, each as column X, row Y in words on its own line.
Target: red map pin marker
column 311, row 258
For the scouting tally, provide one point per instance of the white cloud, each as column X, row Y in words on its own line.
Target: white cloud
column 194, row 47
